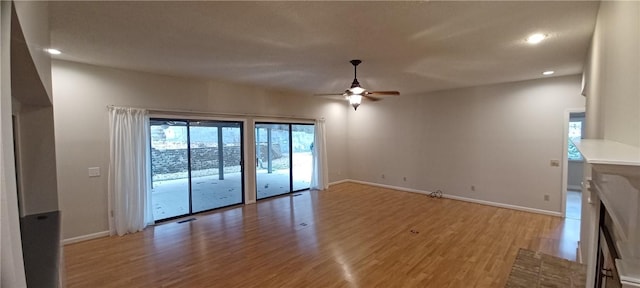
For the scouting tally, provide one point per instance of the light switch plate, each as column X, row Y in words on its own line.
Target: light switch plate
column 555, row 163
column 94, row 171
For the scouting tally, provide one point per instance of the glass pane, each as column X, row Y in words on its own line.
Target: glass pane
column 302, row 144
column 575, row 130
column 215, row 165
column 272, row 157
column 575, row 133
column 169, row 169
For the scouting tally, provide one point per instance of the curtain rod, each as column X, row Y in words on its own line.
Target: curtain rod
column 208, row 113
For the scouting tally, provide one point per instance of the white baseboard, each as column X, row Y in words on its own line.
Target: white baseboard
column 340, row 181
column 508, row 206
column 465, row 199
column 85, row 237
column 453, row 197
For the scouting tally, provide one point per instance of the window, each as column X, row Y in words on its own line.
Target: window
column 575, row 133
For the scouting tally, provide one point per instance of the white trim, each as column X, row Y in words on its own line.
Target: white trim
column 85, row 237
column 341, row 181
column 465, row 199
column 507, row 206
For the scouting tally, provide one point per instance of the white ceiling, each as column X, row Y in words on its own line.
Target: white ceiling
column 412, row 47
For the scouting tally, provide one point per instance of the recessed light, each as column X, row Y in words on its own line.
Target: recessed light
column 547, row 73
column 536, row 38
column 53, row 51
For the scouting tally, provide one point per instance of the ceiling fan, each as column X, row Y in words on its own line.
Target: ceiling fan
column 356, row 92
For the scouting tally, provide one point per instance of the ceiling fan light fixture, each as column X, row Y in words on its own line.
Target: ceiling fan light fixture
column 355, row 93
column 355, row 101
column 53, row 51
column 536, row 38
column 356, row 90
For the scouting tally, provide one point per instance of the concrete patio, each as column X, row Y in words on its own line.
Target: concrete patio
column 170, row 198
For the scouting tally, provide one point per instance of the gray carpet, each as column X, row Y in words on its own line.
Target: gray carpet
column 534, row 269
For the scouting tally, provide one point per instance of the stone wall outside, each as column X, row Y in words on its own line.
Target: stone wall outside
column 175, row 160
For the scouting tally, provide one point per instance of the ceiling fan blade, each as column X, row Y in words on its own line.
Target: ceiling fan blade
column 335, row 96
column 388, row 93
column 329, row 94
column 369, row 98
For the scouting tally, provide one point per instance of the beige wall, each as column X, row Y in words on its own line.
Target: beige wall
column 498, row 138
column 37, row 160
column 612, row 74
column 11, row 261
column 33, row 109
column 34, row 20
column 82, row 93
column 26, row 77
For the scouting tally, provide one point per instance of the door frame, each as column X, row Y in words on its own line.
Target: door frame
column 255, row 147
column 242, row 125
column 565, row 156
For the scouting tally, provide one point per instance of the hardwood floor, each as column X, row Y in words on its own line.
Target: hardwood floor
column 352, row 235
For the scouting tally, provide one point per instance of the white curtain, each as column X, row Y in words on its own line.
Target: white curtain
column 320, row 172
column 129, row 200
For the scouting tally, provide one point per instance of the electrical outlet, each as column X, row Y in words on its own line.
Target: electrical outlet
column 94, row 171
column 555, row 163
column 473, row 188
column 546, row 197
column 382, row 176
column 404, row 178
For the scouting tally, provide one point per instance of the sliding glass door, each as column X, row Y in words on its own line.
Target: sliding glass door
column 273, row 169
column 169, row 169
column 196, row 166
column 215, row 165
column 283, row 158
column 302, row 136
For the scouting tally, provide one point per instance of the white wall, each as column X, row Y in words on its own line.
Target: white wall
column 82, row 93
column 612, row 74
column 621, row 72
column 498, row 138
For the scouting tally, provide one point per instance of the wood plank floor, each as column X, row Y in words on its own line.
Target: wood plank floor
column 352, row 235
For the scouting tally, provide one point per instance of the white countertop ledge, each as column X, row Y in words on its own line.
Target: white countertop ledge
column 607, row 152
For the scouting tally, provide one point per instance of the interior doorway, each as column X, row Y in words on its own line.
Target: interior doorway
column 575, row 166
